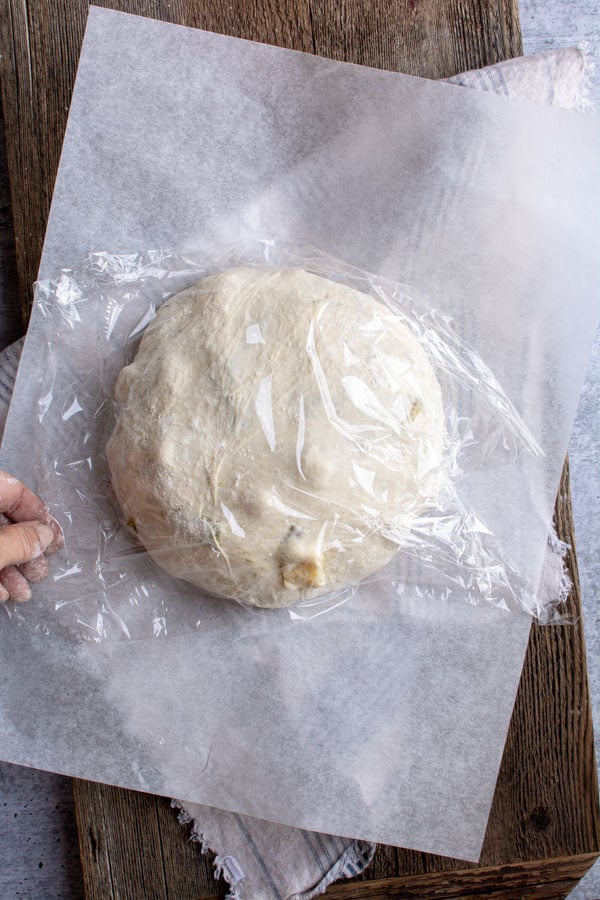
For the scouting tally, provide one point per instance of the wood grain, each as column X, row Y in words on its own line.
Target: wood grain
column 543, row 831
column 132, row 845
column 433, row 39
column 527, row 881
column 10, row 321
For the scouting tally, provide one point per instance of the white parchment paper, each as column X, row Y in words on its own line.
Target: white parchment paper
column 390, row 731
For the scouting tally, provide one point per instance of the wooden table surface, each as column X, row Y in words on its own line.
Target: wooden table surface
column 544, row 827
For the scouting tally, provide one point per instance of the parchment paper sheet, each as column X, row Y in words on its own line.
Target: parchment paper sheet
column 176, row 136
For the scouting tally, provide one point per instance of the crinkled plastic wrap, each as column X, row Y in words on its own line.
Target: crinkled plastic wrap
column 272, row 427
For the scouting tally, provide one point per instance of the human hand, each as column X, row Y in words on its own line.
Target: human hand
column 28, row 532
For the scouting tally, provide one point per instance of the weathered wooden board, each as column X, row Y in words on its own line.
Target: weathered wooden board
column 544, row 829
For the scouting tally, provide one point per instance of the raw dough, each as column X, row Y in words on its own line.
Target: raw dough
column 277, row 433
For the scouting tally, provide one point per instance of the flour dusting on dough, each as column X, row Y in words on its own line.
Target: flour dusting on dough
column 273, row 427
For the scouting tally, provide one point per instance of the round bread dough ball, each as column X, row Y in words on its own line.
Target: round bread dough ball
column 277, row 433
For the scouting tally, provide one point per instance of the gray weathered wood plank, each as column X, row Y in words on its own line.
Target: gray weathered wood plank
column 433, row 40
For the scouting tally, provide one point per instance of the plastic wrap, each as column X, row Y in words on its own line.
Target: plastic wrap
column 289, row 427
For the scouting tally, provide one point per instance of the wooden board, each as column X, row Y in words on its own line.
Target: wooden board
column 544, row 829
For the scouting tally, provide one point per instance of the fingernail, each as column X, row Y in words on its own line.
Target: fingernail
column 45, row 534
column 59, row 538
column 58, row 541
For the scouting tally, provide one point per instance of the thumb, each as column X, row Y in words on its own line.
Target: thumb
column 23, row 542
